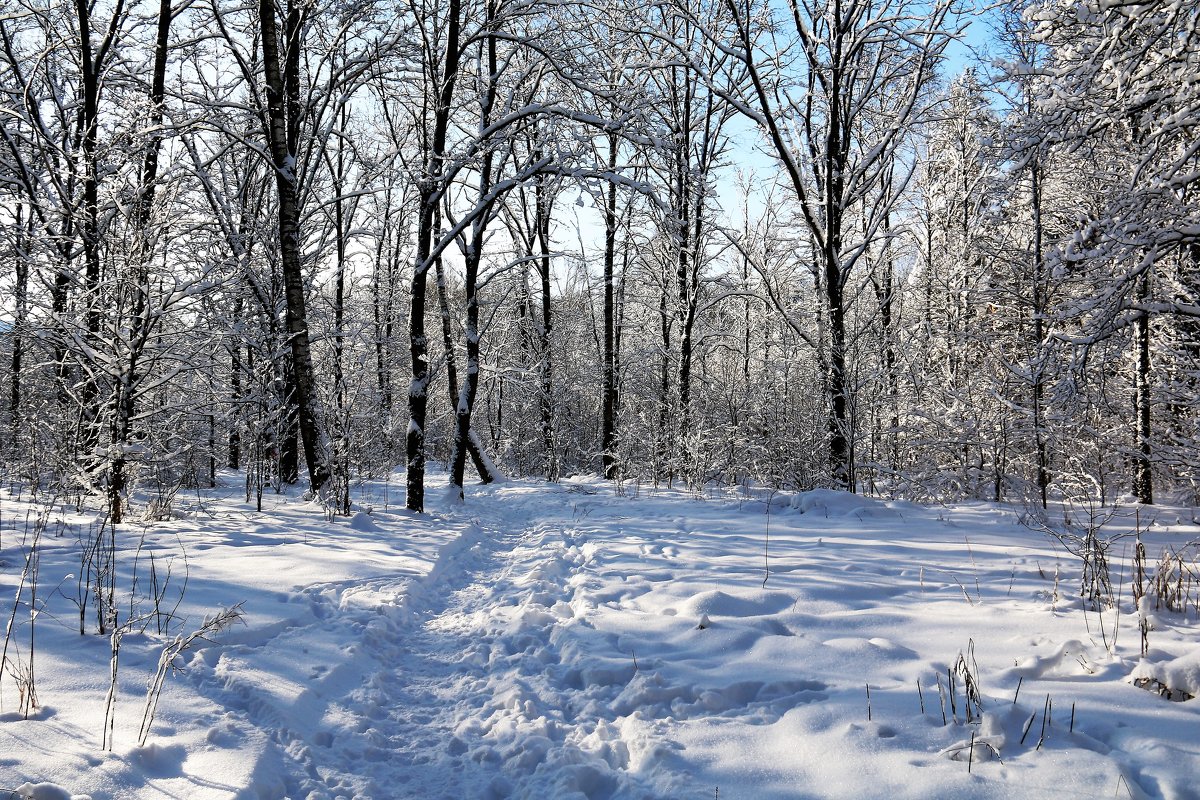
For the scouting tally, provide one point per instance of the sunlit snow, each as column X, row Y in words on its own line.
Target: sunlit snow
column 569, row 641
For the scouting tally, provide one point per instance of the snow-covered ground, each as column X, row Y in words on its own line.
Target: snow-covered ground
column 572, row 642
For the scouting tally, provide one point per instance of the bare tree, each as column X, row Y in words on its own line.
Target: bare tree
column 837, row 85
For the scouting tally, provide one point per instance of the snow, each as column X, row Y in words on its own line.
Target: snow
column 569, row 641
column 1179, row 675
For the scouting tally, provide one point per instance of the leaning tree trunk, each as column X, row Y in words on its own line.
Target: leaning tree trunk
column 470, row 384
column 483, row 465
column 472, row 258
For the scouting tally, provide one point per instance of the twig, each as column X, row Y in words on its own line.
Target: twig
column 1028, row 725
column 767, row 542
column 950, row 689
column 941, row 698
column 1045, row 714
column 166, row 661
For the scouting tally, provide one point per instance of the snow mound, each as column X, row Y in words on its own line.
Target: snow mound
column 1177, row 679
column 363, row 523
column 717, row 603
column 830, row 503
column 158, row 760
column 46, row 791
column 1068, row 659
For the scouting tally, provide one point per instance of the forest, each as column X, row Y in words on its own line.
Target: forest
column 599, row 400
column 802, row 244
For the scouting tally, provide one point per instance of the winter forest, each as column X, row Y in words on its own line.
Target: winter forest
column 878, row 256
column 678, row 242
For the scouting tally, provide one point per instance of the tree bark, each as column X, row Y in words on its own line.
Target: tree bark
column 287, row 444
column 471, row 260
column 483, row 465
column 1143, row 481
column 885, row 297
column 234, row 459
column 22, row 230
column 432, row 186
column 126, row 390
column 89, row 228
column 381, row 308
column 543, row 205
column 610, row 392
column 1039, row 336
column 283, row 126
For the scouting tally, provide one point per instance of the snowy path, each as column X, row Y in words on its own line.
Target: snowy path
column 568, row 642
column 455, row 685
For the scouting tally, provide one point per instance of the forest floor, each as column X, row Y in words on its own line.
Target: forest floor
column 570, row 641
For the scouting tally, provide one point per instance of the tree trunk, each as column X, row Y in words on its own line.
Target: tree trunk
column 141, row 322
column 418, row 348
column 664, row 444
column 885, row 296
column 381, row 309
column 687, row 288
column 471, row 261
column 1143, row 483
column 1039, row 336
column 470, row 385
column 288, row 431
column 835, row 164
column 545, row 347
column 234, row 457
column 839, row 418
column 89, row 229
column 283, row 125
column 89, row 115
column 483, row 465
column 341, row 242
column 430, row 195
column 22, row 230
column 609, row 391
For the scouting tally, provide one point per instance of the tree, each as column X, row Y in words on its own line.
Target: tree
column 142, row 319
column 837, row 85
column 692, row 116
column 312, row 64
column 529, row 222
column 441, row 52
column 1123, row 85
column 963, row 252
column 284, row 119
